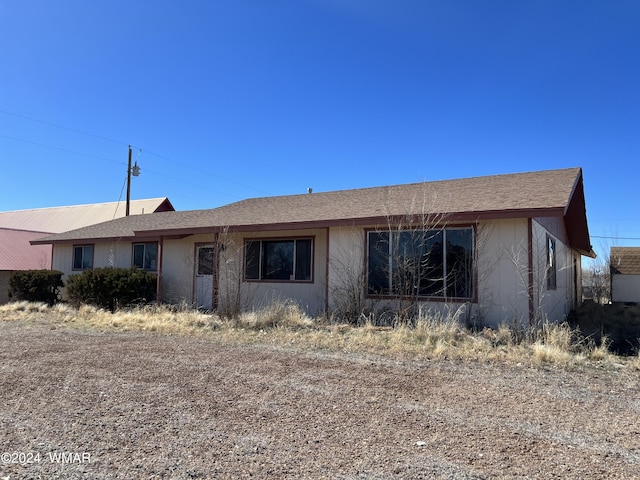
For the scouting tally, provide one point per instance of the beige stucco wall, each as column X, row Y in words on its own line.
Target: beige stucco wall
column 503, row 272
column 501, row 249
column 553, row 304
column 178, row 261
column 502, row 278
column 252, row 295
column 178, row 269
column 346, row 282
column 112, row 254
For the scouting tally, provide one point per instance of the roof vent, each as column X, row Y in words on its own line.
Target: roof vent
column 309, row 190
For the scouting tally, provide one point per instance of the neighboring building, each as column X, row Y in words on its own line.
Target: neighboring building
column 19, row 227
column 16, row 253
column 625, row 274
column 505, row 248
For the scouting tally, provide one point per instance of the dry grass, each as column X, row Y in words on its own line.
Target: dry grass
column 430, row 336
column 148, row 318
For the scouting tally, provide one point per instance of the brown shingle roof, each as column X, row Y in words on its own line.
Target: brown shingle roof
column 625, row 260
column 513, row 195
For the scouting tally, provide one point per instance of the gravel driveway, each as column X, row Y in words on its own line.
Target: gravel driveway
column 86, row 404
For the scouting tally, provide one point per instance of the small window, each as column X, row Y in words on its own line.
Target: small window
column 145, row 256
column 552, row 272
column 205, row 260
column 82, row 257
column 282, row 259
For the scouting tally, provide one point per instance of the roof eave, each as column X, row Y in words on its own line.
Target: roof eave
column 575, row 217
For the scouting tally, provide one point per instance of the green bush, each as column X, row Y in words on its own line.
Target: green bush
column 111, row 288
column 36, row 285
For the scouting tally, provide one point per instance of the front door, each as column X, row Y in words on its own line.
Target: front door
column 205, row 265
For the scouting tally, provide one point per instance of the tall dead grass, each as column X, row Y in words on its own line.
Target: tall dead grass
column 430, row 336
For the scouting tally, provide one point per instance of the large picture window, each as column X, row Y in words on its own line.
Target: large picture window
column 281, row 259
column 421, row 263
column 82, row 257
column 145, row 256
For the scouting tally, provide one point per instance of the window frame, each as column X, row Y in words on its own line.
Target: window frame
column 262, row 260
column 152, row 268
column 390, row 293
column 82, row 246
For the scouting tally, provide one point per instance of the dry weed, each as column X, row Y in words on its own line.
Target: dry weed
column 543, row 353
column 278, row 314
column 431, row 335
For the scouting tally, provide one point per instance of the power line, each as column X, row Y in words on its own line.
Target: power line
column 101, row 137
column 63, row 128
column 149, row 170
column 207, row 173
column 66, row 150
column 613, row 237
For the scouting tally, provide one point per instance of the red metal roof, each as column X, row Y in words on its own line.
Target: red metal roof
column 16, row 253
column 19, row 227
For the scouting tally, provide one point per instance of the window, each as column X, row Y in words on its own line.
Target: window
column 551, row 263
column 145, row 256
column 282, row 259
column 423, row 263
column 205, row 260
column 82, row 257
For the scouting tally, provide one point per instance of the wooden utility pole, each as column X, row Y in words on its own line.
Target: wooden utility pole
column 128, row 183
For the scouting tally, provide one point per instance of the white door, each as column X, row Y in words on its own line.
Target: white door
column 204, row 275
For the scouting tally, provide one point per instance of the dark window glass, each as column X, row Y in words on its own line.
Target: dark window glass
column 252, row 260
column 151, row 256
column 286, row 260
column 82, row 257
column 431, row 279
column 303, row 259
column 138, row 256
column 145, row 256
column 460, row 263
column 205, row 260
column 429, row 263
column 378, row 272
column 77, row 258
column 277, row 262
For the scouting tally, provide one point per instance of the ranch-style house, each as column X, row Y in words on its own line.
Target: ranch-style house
column 499, row 248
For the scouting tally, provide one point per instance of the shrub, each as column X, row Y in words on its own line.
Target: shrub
column 36, row 286
column 111, row 288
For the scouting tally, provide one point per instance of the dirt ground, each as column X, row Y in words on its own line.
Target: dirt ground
column 85, row 404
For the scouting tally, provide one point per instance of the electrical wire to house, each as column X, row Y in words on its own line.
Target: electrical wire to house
column 118, row 142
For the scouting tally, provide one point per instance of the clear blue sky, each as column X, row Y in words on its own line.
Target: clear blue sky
column 224, row 100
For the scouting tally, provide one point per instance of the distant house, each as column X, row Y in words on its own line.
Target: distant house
column 19, row 227
column 500, row 248
column 625, row 274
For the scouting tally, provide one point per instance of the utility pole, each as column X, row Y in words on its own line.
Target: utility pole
column 135, row 170
column 128, row 183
